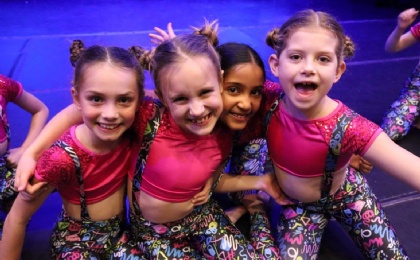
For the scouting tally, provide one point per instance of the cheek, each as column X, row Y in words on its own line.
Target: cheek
column 227, row 102
column 256, row 103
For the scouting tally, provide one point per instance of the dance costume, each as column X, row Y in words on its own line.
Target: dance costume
column 206, row 232
column 404, row 111
column 10, row 90
column 82, row 177
column 336, row 136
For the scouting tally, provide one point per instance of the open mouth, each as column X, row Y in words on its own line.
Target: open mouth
column 201, row 121
column 305, row 88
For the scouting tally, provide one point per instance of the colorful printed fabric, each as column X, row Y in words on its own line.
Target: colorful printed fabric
column 248, row 159
column 355, row 208
column 75, row 239
column 405, row 110
column 206, row 233
column 8, row 193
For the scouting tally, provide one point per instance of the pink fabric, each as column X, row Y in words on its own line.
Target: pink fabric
column 179, row 164
column 415, row 30
column 10, row 90
column 103, row 174
column 300, row 147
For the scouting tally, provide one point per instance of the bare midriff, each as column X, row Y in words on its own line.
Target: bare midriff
column 307, row 189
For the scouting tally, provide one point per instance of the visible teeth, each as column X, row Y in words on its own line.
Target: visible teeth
column 239, row 115
column 200, row 121
column 109, row 127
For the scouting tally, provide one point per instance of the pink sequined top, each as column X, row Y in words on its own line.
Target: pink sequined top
column 10, row 90
column 179, row 164
column 103, row 174
column 300, row 147
column 415, row 30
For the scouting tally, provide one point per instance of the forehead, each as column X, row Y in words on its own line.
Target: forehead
column 106, row 76
column 191, row 73
column 313, row 36
column 245, row 73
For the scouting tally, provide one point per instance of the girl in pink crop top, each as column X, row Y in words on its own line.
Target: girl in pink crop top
column 89, row 164
column 12, row 91
column 311, row 138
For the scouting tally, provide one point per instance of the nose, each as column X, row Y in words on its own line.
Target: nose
column 196, row 107
column 109, row 111
column 245, row 103
column 308, row 68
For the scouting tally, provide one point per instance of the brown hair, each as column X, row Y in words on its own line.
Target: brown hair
column 278, row 37
column 171, row 52
column 81, row 58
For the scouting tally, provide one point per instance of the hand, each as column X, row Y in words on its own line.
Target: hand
column 204, row 195
column 269, row 185
column 24, row 171
column 32, row 191
column 360, row 164
column 162, row 35
column 14, row 156
column 282, row 200
column 407, row 17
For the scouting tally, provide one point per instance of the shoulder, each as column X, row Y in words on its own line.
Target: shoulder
column 10, row 89
column 415, row 30
column 55, row 166
column 360, row 131
column 147, row 111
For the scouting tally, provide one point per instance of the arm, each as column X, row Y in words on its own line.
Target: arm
column 235, row 183
column 51, row 132
column 39, row 112
column 16, row 222
column 395, row 160
column 397, row 41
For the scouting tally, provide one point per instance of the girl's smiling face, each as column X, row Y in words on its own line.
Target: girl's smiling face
column 193, row 95
column 242, row 94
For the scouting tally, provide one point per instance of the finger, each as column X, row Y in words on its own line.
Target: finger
column 163, row 33
column 155, row 37
column 20, row 184
column 170, row 31
column 37, row 188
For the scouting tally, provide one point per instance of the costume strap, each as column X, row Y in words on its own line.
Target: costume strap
column 334, row 151
column 236, row 138
column 148, row 137
column 6, row 126
column 270, row 113
column 70, row 151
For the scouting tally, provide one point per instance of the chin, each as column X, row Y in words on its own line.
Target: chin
column 205, row 130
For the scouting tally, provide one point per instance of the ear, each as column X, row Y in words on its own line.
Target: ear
column 76, row 98
column 340, row 70
column 273, row 61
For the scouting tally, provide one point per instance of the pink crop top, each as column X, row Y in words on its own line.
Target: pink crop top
column 103, row 174
column 300, row 147
column 415, row 30
column 10, row 90
column 179, row 164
